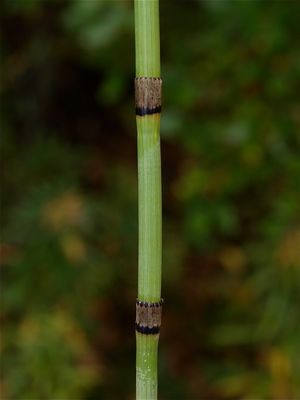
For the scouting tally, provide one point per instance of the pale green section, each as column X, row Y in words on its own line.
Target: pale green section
column 149, row 185
column 147, row 44
column 146, row 367
column 149, row 190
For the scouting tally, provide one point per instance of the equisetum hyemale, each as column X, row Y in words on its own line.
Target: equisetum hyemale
column 148, row 103
column 148, row 94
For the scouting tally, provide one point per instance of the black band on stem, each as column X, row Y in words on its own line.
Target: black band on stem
column 141, row 111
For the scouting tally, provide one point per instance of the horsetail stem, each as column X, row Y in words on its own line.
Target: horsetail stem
column 148, row 106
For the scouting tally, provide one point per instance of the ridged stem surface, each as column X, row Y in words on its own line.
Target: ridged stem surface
column 147, row 43
column 149, row 192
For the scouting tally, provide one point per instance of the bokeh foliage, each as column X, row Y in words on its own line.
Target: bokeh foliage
column 231, row 200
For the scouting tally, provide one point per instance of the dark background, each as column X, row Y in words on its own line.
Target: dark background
column 231, row 200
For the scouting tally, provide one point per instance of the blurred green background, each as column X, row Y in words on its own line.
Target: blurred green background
column 231, row 200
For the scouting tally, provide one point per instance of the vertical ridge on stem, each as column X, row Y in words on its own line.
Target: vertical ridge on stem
column 147, row 43
column 148, row 106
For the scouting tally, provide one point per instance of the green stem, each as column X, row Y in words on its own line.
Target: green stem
column 147, row 44
column 149, row 190
column 146, row 367
column 149, row 184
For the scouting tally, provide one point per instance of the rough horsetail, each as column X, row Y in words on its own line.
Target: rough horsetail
column 148, row 107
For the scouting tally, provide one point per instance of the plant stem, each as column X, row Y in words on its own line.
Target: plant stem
column 149, row 191
column 149, row 183
column 147, row 44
